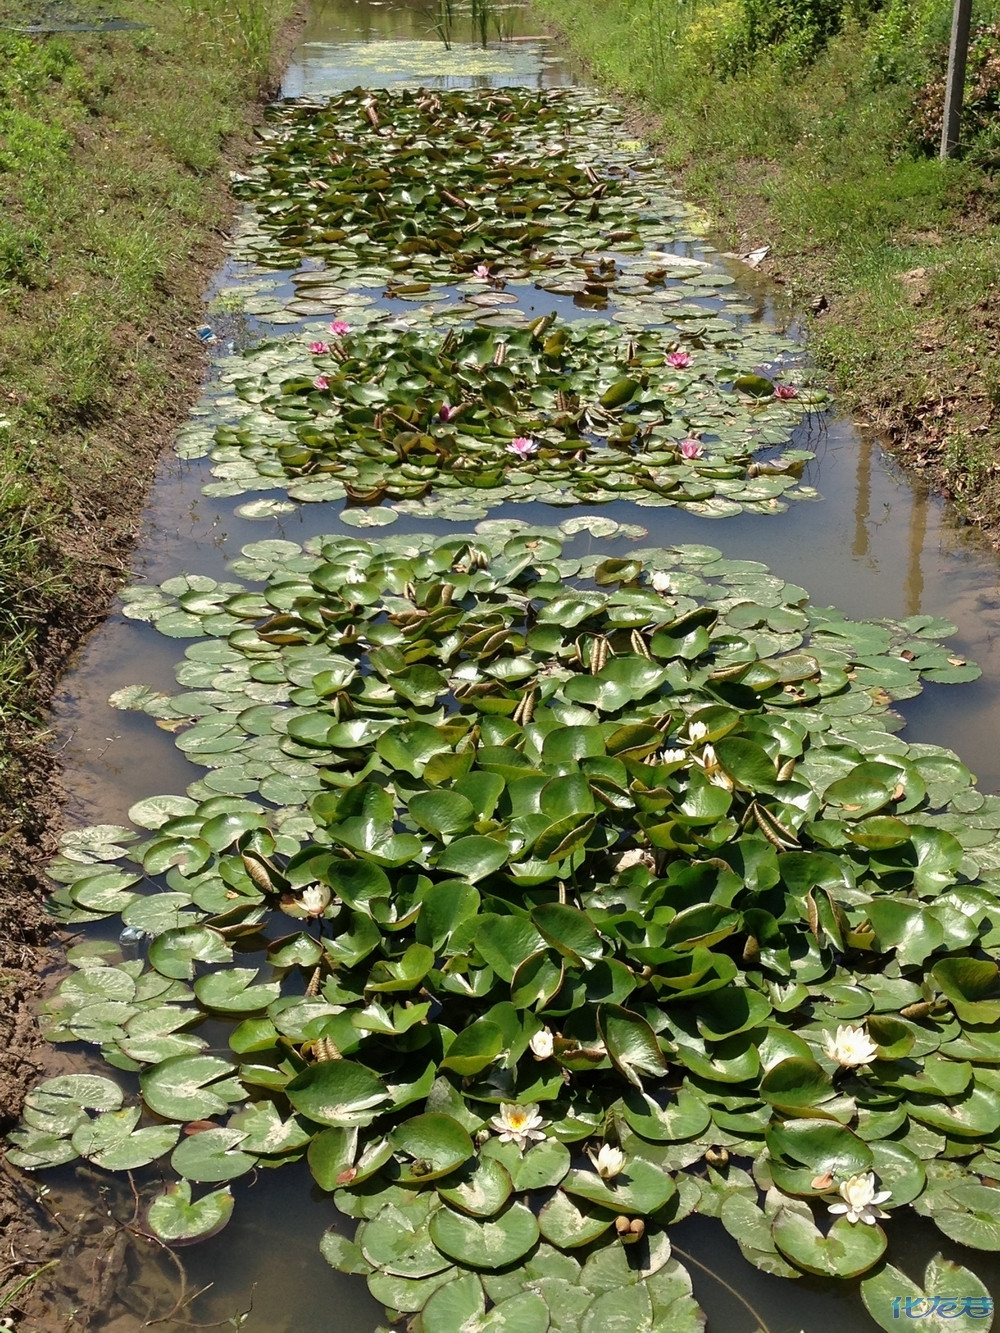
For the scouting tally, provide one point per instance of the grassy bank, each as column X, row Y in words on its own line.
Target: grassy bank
column 114, row 205
column 113, row 201
column 812, row 127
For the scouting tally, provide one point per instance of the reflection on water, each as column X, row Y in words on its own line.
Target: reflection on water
column 876, row 544
column 343, row 45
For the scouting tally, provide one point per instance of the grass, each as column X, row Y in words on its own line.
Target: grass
column 111, row 148
column 114, row 204
column 820, row 161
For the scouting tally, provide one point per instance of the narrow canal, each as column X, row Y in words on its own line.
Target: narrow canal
column 874, row 544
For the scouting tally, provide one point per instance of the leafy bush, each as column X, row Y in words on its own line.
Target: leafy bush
column 982, row 96
column 905, row 37
column 792, row 32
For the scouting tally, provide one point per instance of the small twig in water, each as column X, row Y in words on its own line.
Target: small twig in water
column 761, row 1325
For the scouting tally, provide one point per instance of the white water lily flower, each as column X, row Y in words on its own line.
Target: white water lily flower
column 314, row 899
column 661, row 581
column 697, row 732
column 608, row 1161
column 541, row 1044
column 708, row 762
column 673, row 756
column 518, row 1124
column 850, row 1047
column 861, row 1199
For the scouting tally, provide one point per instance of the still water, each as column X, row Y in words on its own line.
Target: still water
column 875, row 544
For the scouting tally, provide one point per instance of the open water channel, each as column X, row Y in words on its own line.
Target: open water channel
column 876, row 544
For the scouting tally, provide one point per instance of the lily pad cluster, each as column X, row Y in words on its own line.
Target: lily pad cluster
column 424, row 186
column 555, row 411
column 603, row 893
column 306, row 681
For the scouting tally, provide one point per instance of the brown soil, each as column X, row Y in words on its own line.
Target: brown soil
column 89, row 1241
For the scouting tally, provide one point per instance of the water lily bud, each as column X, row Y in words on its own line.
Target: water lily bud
column 315, row 898
column 541, row 1044
column 717, row 1156
column 608, row 1161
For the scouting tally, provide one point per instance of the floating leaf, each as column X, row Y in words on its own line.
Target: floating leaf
column 175, row 1219
column 485, row 1244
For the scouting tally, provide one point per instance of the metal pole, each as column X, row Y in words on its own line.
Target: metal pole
column 957, row 56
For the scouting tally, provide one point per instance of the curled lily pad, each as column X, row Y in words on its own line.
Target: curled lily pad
column 176, row 1219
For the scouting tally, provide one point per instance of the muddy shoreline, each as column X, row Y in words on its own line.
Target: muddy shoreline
column 97, row 538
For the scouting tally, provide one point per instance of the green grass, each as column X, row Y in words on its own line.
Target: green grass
column 821, row 160
column 114, row 199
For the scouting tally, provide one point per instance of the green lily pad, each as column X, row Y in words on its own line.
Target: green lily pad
column 436, row 1143
column 175, row 1218
column 485, row 1244
column 847, row 1250
column 338, row 1092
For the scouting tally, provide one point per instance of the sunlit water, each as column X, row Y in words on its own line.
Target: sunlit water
column 876, row 544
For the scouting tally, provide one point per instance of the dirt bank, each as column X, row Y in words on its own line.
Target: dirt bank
column 104, row 260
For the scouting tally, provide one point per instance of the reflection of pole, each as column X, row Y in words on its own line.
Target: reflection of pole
column 957, row 55
column 863, row 498
column 914, row 590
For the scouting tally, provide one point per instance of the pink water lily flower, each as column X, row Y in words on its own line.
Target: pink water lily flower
column 446, row 412
column 339, row 327
column 321, row 382
column 691, row 448
column 785, row 391
column 481, row 271
column 522, row 447
column 679, row 360
column 318, row 348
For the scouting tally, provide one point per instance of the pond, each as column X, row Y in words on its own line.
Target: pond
column 875, row 545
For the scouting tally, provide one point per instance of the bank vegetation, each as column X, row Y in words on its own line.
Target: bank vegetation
column 812, row 127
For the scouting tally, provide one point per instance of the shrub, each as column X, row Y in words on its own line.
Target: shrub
column 982, row 97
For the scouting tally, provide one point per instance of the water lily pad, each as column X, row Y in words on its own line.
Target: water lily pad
column 112, row 1140
column 213, row 1155
column 175, row 1218
column 398, row 1242
column 480, row 1188
column 571, row 1223
column 435, row 1143
column 190, row 1087
column 338, row 1092
column 485, row 1244
column 846, row 1251
column 890, row 1295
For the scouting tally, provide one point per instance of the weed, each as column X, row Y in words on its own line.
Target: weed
column 8, row 1297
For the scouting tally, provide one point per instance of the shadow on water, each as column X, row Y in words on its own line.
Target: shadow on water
column 876, row 544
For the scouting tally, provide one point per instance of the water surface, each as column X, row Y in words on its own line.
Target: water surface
column 876, row 544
